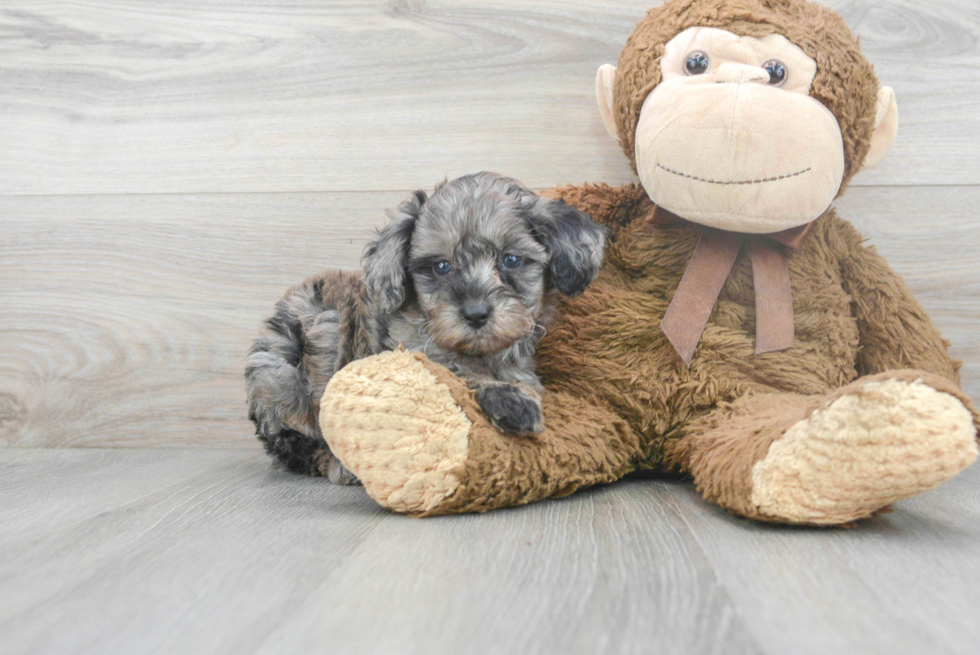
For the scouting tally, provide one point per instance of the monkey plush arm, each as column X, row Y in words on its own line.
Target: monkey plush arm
column 895, row 330
column 614, row 207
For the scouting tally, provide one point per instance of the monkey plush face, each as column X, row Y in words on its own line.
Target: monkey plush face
column 743, row 129
column 731, row 138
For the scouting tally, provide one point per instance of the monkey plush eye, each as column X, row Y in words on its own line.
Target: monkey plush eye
column 776, row 70
column 511, row 261
column 442, row 267
column 697, row 63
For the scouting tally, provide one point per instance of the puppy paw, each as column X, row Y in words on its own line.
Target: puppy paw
column 331, row 468
column 511, row 410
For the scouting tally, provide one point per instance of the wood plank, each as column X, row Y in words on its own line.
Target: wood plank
column 132, row 551
column 127, row 318
column 905, row 582
column 109, row 551
column 601, row 573
column 133, row 314
column 141, row 97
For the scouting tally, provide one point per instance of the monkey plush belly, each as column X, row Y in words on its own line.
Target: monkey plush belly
column 607, row 345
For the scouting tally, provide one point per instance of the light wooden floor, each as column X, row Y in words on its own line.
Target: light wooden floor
column 168, row 168
column 194, row 551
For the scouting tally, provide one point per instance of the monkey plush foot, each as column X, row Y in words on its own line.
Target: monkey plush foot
column 416, row 438
column 396, row 428
column 883, row 441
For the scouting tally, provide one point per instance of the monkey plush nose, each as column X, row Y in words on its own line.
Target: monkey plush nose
column 476, row 315
column 730, row 72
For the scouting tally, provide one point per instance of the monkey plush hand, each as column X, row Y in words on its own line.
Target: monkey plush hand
column 739, row 331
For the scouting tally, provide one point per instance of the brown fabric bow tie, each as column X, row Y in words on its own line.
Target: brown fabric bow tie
column 705, row 276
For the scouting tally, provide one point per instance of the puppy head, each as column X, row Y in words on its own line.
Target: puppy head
column 483, row 253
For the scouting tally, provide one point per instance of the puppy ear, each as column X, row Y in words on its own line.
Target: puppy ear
column 575, row 243
column 385, row 259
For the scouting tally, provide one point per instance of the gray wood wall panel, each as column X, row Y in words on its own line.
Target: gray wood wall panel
column 135, row 96
column 126, row 318
column 167, row 170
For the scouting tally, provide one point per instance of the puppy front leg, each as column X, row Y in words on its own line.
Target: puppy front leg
column 511, row 408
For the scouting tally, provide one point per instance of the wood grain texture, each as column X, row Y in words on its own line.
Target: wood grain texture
column 127, row 318
column 177, row 551
column 222, row 554
column 212, row 96
column 930, row 237
column 905, row 582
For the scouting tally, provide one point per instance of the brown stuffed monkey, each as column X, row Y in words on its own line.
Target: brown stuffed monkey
column 739, row 330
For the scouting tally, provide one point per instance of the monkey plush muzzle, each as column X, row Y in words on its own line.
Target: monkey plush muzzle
column 738, row 155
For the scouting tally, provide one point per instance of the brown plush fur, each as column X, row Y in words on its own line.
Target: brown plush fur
column 845, row 82
column 607, row 342
column 619, row 398
column 591, row 445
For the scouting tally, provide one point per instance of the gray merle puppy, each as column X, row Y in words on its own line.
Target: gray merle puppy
column 468, row 276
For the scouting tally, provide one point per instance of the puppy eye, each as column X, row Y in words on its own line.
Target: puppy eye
column 442, row 267
column 777, row 72
column 511, row 261
column 697, row 63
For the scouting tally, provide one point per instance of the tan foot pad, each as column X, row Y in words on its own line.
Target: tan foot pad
column 397, row 429
column 889, row 440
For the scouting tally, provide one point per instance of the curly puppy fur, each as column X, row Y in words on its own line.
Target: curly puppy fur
column 469, row 276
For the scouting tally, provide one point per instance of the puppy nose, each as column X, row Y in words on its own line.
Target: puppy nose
column 476, row 315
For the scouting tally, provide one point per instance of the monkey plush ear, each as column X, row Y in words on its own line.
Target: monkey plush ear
column 886, row 127
column 385, row 259
column 575, row 243
column 605, row 82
